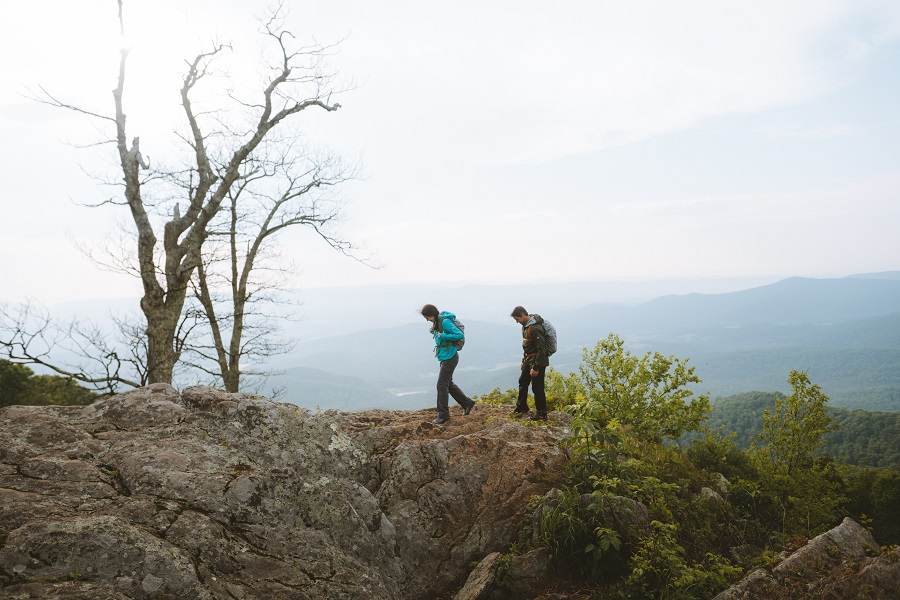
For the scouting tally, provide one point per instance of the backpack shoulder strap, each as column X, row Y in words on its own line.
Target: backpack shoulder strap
column 527, row 331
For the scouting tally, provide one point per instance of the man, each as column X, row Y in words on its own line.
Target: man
column 534, row 363
column 445, row 333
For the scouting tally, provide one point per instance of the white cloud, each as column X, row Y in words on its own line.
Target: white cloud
column 530, row 82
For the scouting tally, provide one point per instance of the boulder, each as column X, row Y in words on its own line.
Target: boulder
column 503, row 577
column 483, row 579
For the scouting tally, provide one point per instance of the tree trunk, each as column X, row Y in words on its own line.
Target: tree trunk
column 162, row 327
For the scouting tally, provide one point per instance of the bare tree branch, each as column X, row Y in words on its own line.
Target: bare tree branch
column 29, row 336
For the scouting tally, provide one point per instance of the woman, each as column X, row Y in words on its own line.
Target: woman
column 445, row 333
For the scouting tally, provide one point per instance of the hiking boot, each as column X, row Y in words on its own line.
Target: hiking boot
column 539, row 417
column 519, row 413
column 440, row 420
column 469, row 408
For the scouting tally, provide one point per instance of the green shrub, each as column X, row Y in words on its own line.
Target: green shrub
column 659, row 569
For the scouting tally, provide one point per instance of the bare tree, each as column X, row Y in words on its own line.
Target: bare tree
column 230, row 150
column 290, row 188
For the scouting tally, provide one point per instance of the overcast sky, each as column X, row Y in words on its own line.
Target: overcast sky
column 500, row 141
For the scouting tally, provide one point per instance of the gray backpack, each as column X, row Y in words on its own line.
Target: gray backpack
column 462, row 329
column 550, row 330
column 549, row 334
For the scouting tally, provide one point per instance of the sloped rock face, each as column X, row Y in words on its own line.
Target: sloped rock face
column 156, row 494
column 835, row 565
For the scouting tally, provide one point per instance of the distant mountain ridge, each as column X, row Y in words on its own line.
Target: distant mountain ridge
column 845, row 332
column 791, row 301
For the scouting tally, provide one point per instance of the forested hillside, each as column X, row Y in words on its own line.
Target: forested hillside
column 862, row 438
column 19, row 385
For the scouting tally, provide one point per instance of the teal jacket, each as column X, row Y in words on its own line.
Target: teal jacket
column 445, row 332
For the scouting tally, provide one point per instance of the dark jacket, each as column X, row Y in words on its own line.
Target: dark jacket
column 534, row 343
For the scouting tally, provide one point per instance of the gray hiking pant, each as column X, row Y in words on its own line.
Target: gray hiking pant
column 446, row 388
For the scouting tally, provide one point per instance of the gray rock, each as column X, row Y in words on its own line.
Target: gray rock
column 711, row 495
column 501, row 576
column 206, row 494
column 483, row 579
column 527, row 572
column 103, row 549
column 64, row 590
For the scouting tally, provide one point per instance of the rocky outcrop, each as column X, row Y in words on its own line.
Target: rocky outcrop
column 838, row 564
column 157, row 494
column 842, row 564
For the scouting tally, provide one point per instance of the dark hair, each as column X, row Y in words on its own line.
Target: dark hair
column 519, row 312
column 430, row 310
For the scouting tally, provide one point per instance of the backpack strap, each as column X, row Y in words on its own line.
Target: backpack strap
column 439, row 326
column 527, row 331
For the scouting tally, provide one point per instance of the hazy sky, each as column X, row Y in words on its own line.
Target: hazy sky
column 500, row 141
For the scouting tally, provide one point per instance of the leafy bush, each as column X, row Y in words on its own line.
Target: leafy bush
column 497, row 398
column 622, row 408
column 649, row 395
column 659, row 569
column 571, row 527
